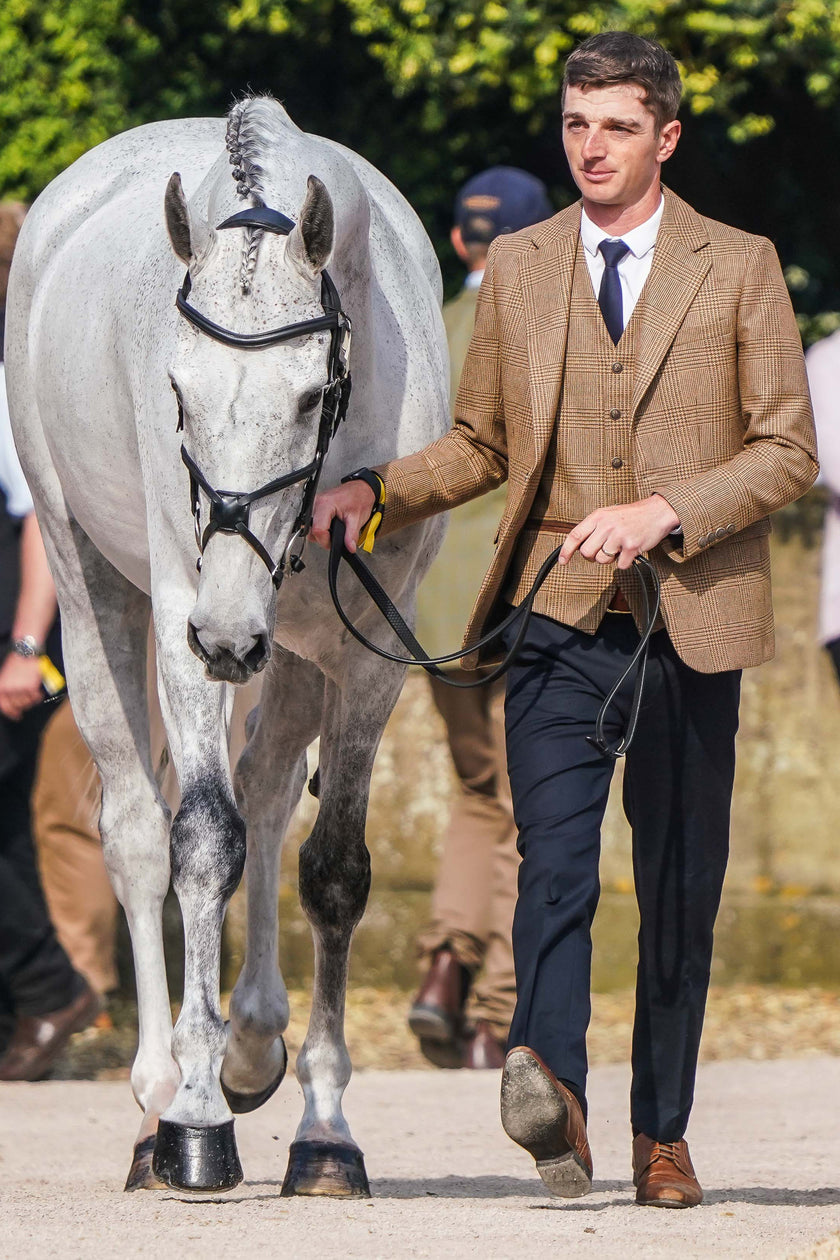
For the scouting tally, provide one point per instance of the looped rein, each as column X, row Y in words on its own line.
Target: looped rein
column 521, row 613
column 230, row 510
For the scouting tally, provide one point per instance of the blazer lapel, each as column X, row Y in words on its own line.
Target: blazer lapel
column 680, row 263
column 546, row 272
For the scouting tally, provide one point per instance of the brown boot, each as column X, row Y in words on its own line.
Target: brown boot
column 437, row 1012
column 663, row 1174
column 541, row 1114
column 483, row 1049
column 38, row 1040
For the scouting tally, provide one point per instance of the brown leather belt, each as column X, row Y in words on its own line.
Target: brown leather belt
column 548, row 525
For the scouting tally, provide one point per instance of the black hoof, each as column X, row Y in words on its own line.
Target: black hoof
column 141, row 1175
column 327, row 1168
column 188, row 1157
column 241, row 1103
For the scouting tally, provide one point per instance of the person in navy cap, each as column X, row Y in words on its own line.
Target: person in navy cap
column 466, row 948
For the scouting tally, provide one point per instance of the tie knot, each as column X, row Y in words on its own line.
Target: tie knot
column 613, row 252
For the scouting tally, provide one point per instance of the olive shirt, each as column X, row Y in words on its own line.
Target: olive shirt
column 448, row 592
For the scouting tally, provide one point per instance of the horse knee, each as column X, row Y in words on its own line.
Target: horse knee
column 334, row 884
column 207, row 843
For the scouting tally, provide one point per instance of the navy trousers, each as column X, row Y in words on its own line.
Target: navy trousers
column 677, row 795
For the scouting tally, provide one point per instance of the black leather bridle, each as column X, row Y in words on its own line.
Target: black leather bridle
column 230, row 510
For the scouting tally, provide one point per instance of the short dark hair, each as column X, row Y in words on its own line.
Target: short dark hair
column 619, row 57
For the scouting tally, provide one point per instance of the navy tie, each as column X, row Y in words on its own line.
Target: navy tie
column 609, row 296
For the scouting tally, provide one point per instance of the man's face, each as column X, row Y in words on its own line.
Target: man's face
column 613, row 144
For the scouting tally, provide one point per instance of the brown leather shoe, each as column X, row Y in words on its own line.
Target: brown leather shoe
column 483, row 1049
column 38, row 1040
column 437, row 1012
column 663, row 1174
column 542, row 1115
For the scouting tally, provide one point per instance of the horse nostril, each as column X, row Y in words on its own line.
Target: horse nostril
column 258, row 655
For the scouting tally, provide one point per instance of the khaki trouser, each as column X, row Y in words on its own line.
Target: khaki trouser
column 65, row 815
column 475, row 890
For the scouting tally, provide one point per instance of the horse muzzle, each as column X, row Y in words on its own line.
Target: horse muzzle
column 227, row 658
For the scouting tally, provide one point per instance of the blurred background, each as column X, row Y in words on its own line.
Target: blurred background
column 432, row 91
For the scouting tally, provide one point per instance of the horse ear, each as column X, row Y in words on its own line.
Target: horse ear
column 190, row 235
column 311, row 242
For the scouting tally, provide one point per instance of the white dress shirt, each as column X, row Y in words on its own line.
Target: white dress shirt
column 634, row 268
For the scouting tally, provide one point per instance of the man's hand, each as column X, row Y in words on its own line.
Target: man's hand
column 20, row 685
column 353, row 502
column 616, row 535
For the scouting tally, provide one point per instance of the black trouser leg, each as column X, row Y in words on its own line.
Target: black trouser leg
column 560, row 785
column 36, row 976
column 677, row 794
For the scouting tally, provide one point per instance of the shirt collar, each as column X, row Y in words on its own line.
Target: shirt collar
column 639, row 241
column 474, row 279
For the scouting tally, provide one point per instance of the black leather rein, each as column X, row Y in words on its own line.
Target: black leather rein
column 230, row 510
column 522, row 613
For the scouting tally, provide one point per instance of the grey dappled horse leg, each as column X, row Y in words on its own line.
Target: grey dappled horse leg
column 334, row 882
column 105, row 645
column 195, row 1147
column 270, row 777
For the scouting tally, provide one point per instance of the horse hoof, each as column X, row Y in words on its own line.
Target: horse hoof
column 327, row 1168
column 141, row 1175
column 200, row 1159
column 241, row 1103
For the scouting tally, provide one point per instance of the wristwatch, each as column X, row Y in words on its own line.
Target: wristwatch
column 28, row 647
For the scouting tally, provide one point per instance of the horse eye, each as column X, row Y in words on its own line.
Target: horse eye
column 310, row 401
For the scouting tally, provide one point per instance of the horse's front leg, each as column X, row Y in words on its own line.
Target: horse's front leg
column 195, row 1148
column 334, row 879
column 269, row 779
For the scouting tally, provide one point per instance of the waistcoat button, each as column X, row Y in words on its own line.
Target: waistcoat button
column 615, row 414
column 618, row 367
column 618, row 462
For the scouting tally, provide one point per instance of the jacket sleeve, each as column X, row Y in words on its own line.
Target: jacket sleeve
column 778, row 462
column 472, row 457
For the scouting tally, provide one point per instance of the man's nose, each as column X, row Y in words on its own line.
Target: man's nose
column 593, row 145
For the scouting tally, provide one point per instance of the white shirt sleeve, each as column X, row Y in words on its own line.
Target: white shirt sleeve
column 12, row 480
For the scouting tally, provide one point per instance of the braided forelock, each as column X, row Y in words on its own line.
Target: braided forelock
column 244, row 144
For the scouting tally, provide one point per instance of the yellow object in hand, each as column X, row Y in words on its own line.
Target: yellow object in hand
column 51, row 677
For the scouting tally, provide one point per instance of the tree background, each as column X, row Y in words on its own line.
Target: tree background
column 433, row 90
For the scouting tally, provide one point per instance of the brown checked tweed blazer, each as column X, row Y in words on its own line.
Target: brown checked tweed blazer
column 720, row 424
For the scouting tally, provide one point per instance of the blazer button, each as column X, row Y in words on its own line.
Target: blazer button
column 615, row 414
column 704, row 541
column 720, row 533
column 730, row 529
column 618, row 462
column 618, row 367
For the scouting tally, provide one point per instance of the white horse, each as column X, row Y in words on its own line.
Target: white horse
column 95, row 347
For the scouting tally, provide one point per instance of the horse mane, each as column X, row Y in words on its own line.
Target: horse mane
column 247, row 140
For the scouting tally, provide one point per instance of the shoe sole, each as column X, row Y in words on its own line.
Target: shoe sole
column 534, row 1115
column 429, row 1023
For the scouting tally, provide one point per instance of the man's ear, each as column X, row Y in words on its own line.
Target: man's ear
column 311, row 242
column 190, row 235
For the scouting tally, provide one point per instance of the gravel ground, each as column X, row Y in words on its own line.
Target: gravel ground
column 751, row 1022
column 446, row 1181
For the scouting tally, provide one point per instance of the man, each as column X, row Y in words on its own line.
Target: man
column 467, row 945
column 637, row 376
column 43, row 999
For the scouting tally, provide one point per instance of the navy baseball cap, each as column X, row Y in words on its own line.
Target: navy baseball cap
column 499, row 200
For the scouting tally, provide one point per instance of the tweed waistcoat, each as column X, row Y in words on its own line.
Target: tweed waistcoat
column 588, row 465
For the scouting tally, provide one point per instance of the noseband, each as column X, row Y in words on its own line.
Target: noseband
column 230, row 510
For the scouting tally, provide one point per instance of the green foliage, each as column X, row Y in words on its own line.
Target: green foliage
column 62, row 84
column 433, row 90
